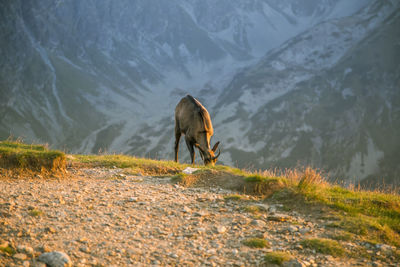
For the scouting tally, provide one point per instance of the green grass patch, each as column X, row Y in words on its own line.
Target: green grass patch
column 233, row 197
column 14, row 155
column 17, row 145
column 256, row 243
column 185, row 179
column 179, row 178
column 252, row 209
column 342, row 236
column 256, row 178
column 324, row 246
column 223, row 168
column 368, row 228
column 374, row 215
column 8, row 250
column 144, row 166
column 35, row 213
column 277, row 257
column 309, row 180
column 264, row 185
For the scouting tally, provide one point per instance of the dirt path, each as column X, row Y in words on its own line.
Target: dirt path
column 102, row 217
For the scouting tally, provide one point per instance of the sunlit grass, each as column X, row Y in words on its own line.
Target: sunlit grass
column 372, row 214
column 35, row 213
column 256, row 243
column 15, row 155
column 251, row 209
column 324, row 246
column 277, row 257
column 234, row 197
column 342, row 236
column 8, row 250
column 145, row 166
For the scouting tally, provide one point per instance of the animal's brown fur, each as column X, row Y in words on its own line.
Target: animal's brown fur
column 193, row 120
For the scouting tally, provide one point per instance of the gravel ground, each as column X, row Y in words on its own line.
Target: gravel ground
column 103, row 217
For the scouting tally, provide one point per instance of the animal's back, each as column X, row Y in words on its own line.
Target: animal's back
column 191, row 113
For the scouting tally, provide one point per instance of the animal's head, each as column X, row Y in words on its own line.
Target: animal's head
column 208, row 155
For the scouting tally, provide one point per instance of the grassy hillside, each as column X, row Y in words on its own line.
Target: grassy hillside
column 369, row 216
column 372, row 216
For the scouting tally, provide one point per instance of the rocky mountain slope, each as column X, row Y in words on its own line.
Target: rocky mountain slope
column 329, row 98
column 105, row 75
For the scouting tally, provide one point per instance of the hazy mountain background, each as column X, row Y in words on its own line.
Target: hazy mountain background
column 287, row 83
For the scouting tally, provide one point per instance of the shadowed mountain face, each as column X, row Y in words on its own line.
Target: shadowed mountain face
column 330, row 99
column 286, row 83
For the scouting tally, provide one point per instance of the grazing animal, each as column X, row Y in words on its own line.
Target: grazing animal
column 192, row 120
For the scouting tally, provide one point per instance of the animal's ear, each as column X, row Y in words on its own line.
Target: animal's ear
column 215, row 147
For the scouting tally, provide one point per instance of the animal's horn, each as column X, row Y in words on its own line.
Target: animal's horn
column 198, row 146
column 219, row 152
column 201, row 154
column 215, row 147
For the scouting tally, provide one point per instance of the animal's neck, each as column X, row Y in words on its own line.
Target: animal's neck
column 204, row 143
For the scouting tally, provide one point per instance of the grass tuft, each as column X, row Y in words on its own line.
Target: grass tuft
column 277, row 257
column 324, row 246
column 252, row 209
column 256, row 178
column 310, row 179
column 256, row 243
column 264, row 185
column 234, row 197
column 8, row 250
column 343, row 236
column 179, row 177
column 35, row 212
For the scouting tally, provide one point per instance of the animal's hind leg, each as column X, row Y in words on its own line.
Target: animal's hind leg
column 177, row 138
column 191, row 149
